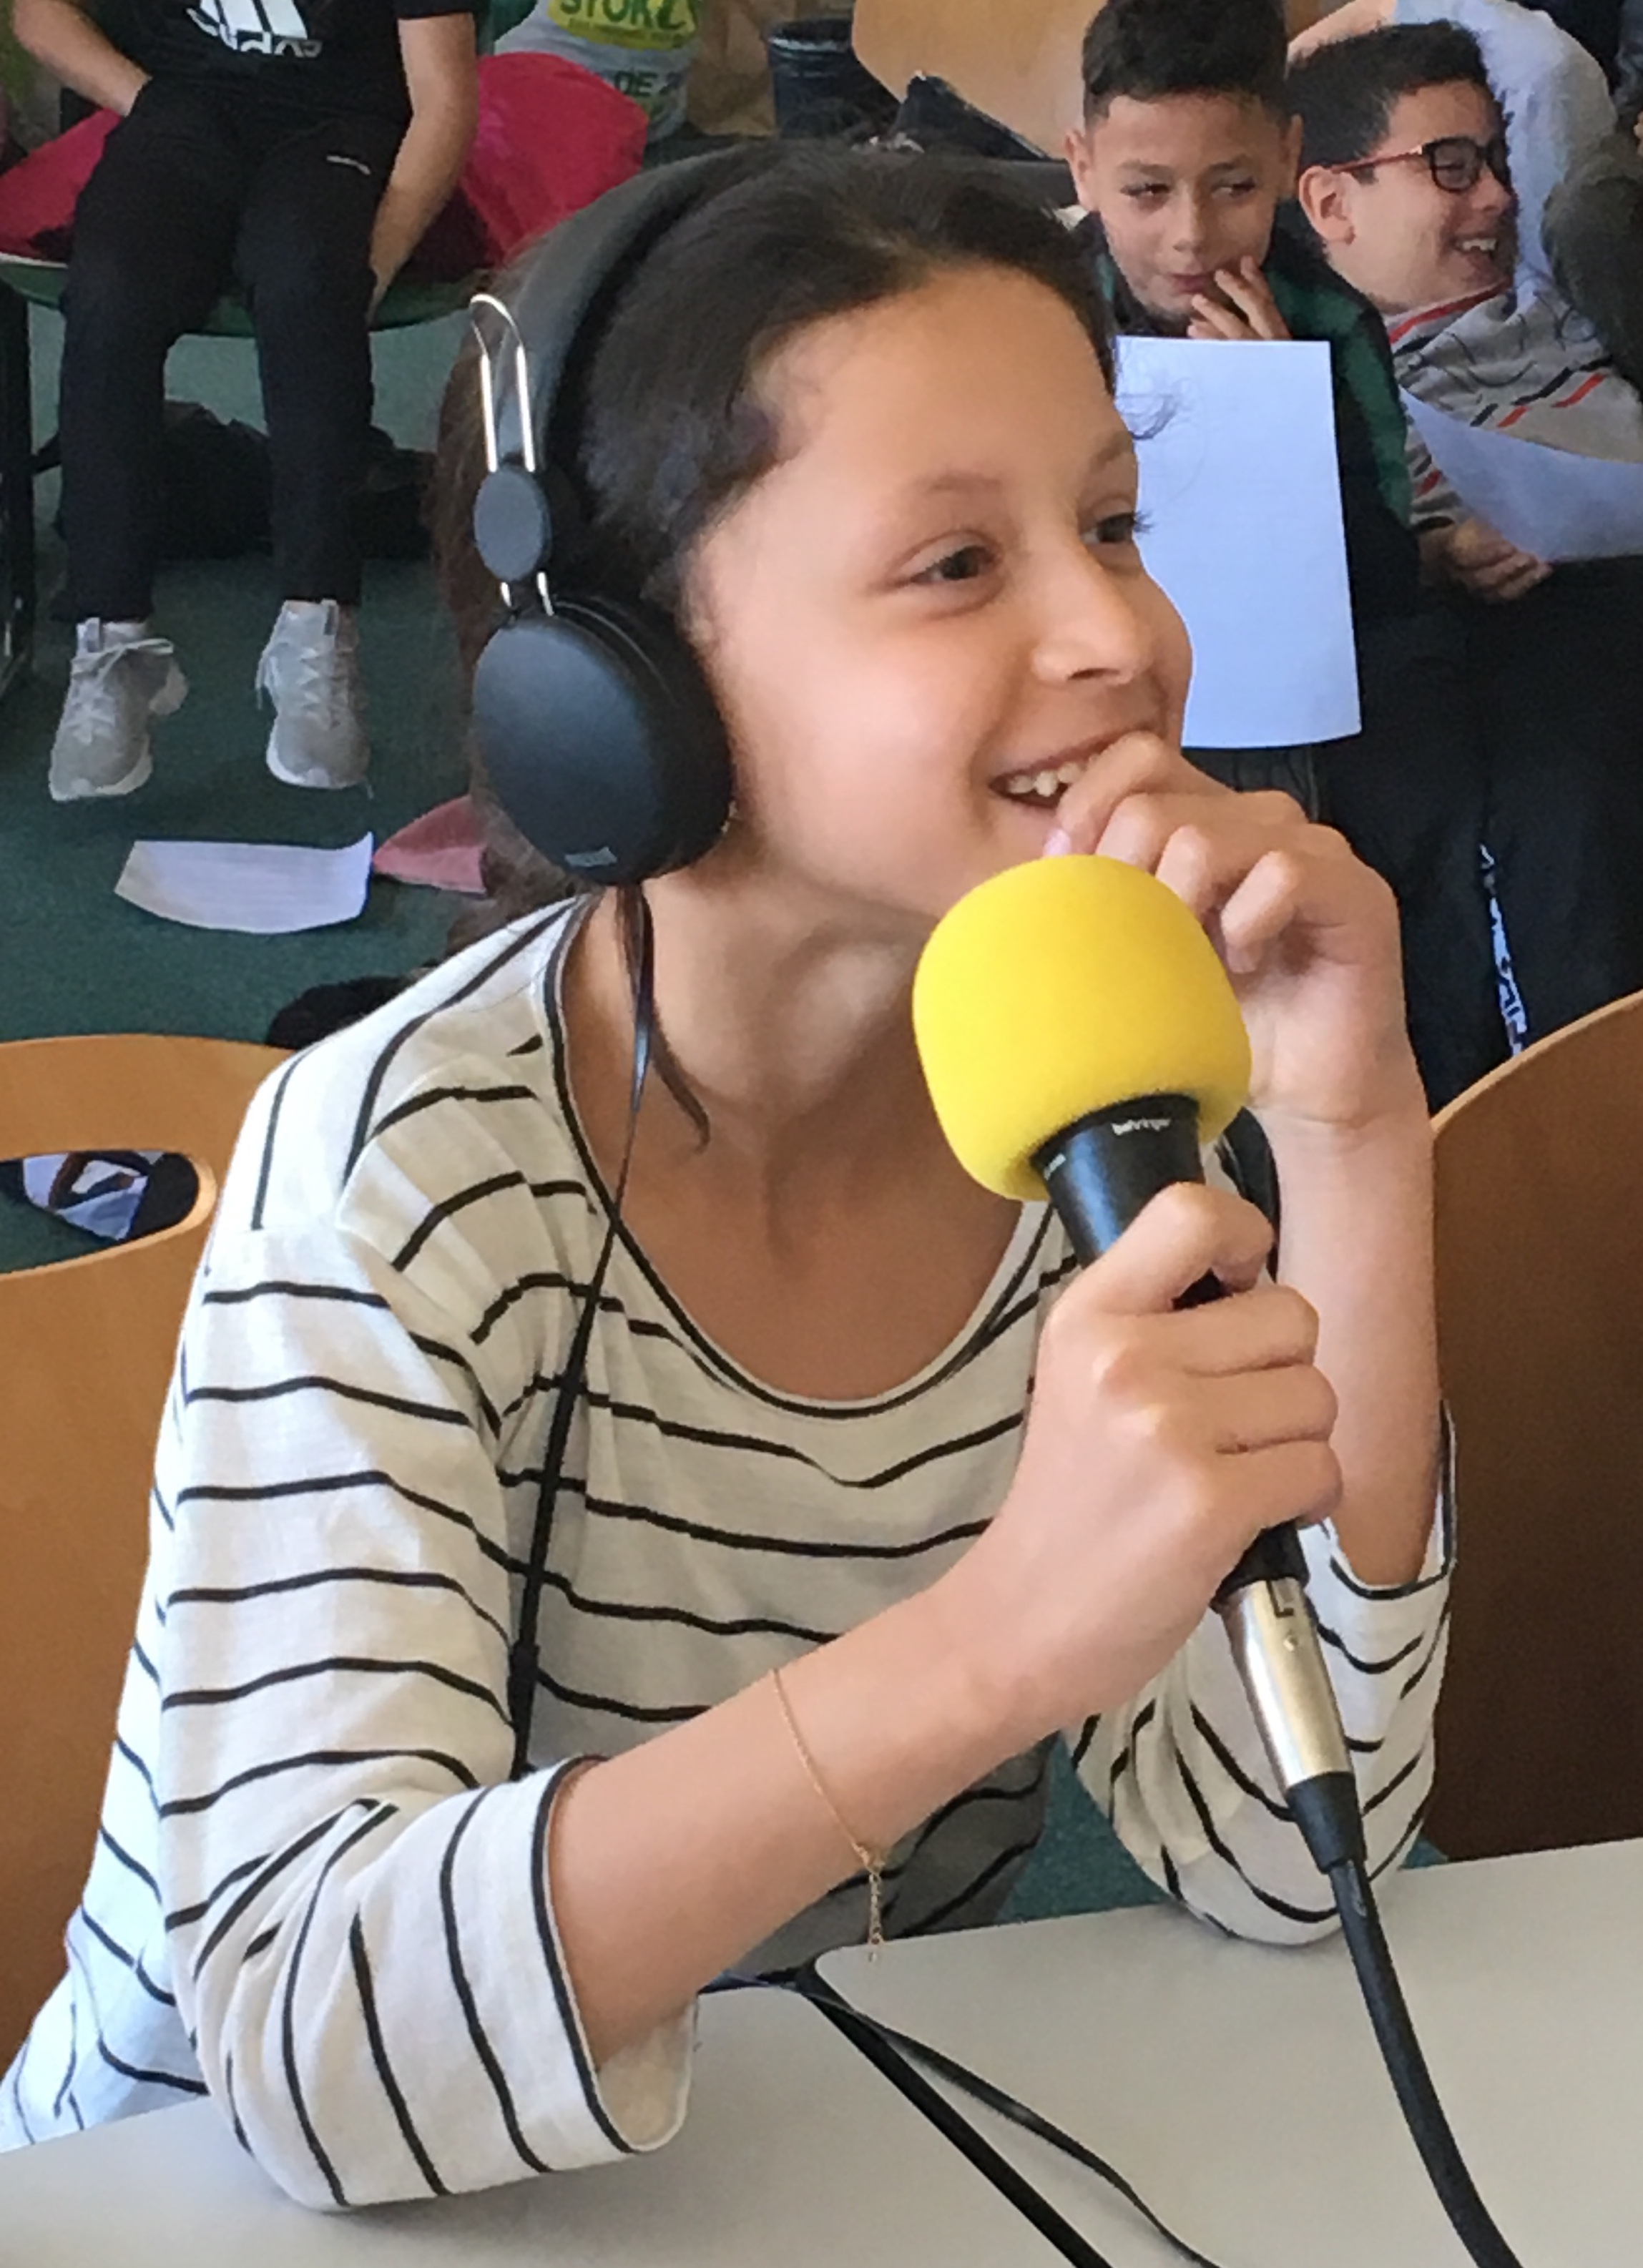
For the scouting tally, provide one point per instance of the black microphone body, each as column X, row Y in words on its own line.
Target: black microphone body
column 1100, row 1172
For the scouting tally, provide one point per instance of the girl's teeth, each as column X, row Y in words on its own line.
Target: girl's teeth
column 1044, row 786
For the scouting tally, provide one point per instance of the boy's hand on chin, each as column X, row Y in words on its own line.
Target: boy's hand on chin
column 1247, row 309
column 1308, row 934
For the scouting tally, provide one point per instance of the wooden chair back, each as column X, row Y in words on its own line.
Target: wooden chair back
column 1017, row 60
column 85, row 1353
column 1540, row 1307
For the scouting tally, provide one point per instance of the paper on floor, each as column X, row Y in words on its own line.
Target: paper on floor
column 1241, row 493
column 1548, row 502
column 264, row 889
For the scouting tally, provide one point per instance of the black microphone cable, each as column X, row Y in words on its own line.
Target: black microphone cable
column 1406, row 2067
column 897, row 2055
column 1274, row 1637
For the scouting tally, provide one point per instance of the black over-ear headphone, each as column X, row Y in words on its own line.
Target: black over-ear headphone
column 595, row 723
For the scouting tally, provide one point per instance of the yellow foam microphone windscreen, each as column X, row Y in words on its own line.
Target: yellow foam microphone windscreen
column 1062, row 987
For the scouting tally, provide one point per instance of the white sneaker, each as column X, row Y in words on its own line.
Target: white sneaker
column 120, row 679
column 310, row 671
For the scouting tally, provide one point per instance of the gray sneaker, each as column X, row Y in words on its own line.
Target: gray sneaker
column 310, row 671
column 119, row 682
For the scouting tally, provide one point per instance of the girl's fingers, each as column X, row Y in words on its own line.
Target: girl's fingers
column 1259, row 1411
column 1291, row 1480
column 1273, row 895
column 1128, row 772
column 1138, row 827
column 1269, row 1327
column 1186, row 1232
column 1250, row 874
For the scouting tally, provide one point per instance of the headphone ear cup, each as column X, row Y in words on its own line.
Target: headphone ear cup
column 601, row 739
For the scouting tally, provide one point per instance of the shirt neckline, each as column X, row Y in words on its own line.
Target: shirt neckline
column 1024, row 1248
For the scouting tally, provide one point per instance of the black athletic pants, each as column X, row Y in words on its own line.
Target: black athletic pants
column 204, row 182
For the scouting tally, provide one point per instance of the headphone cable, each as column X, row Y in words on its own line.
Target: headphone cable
column 525, row 1655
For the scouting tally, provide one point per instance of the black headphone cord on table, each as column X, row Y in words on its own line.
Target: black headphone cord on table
column 1333, row 1829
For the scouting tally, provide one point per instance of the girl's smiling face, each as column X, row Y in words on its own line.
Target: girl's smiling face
column 932, row 616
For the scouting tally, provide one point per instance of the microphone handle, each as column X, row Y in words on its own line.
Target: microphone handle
column 1100, row 1172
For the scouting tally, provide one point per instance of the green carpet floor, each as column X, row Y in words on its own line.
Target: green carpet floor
column 73, row 957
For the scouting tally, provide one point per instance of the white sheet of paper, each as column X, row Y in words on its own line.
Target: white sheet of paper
column 1241, row 491
column 264, row 889
column 1547, row 501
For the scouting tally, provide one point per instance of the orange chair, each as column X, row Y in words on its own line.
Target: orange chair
column 85, row 1354
column 1540, row 1309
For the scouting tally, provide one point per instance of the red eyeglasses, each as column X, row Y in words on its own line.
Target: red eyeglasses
column 1453, row 160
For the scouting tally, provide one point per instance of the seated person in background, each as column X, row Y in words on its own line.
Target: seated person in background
column 644, row 53
column 1184, row 164
column 304, row 156
column 1408, row 180
column 1426, row 178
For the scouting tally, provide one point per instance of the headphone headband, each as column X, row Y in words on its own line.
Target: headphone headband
column 570, row 279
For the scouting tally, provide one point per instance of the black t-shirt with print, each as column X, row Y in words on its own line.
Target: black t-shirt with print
column 322, row 57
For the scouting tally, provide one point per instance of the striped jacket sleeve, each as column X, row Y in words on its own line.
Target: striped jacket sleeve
column 364, row 1946
column 1183, row 1775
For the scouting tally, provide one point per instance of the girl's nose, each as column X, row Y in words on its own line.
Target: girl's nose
column 1097, row 623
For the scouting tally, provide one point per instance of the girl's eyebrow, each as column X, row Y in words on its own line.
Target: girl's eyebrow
column 1116, row 446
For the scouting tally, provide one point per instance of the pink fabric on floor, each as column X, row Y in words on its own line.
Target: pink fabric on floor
column 441, row 851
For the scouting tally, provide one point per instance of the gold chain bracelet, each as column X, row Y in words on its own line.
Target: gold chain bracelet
column 871, row 1862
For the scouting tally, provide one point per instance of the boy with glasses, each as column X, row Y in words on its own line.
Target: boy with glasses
column 1438, row 209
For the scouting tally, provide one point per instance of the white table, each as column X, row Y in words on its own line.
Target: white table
column 796, row 2155
column 1239, row 2089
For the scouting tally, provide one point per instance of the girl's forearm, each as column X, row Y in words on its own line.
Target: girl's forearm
column 669, row 1864
column 1357, row 1241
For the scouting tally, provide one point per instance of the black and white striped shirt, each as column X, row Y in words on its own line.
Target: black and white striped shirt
column 315, row 1892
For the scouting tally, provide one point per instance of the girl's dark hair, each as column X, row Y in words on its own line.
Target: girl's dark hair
column 1150, row 49
column 672, row 424
column 1345, row 92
